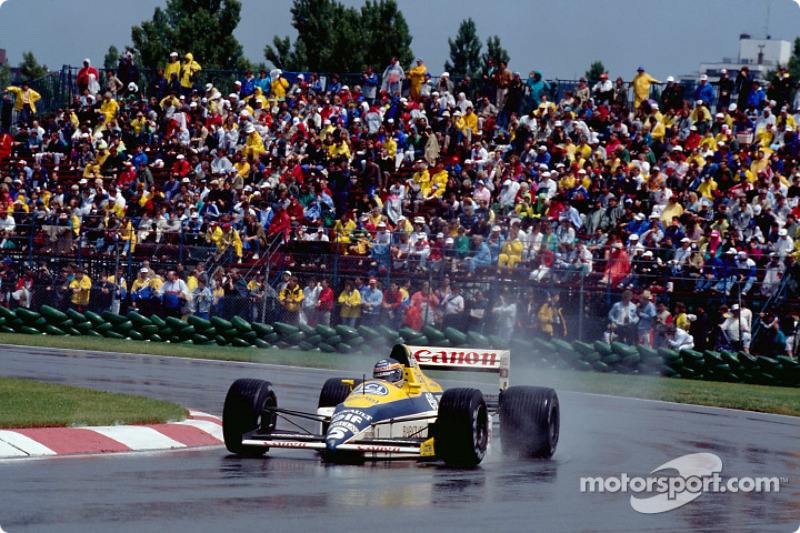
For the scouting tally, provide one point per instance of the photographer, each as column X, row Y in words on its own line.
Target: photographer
column 678, row 339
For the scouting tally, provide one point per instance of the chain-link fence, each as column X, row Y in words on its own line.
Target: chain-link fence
column 540, row 294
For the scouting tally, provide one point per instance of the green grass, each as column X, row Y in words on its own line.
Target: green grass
column 779, row 400
column 28, row 404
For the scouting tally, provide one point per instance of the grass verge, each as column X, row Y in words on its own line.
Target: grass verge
column 778, row 400
column 29, row 404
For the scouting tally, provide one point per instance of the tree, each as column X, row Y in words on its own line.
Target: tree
column 5, row 76
column 384, row 33
column 794, row 60
column 495, row 51
column 203, row 28
column 595, row 69
column 111, row 59
column 30, row 69
column 465, row 51
column 334, row 38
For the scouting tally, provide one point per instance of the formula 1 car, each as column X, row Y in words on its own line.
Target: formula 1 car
column 359, row 420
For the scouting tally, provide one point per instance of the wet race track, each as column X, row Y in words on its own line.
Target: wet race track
column 292, row 490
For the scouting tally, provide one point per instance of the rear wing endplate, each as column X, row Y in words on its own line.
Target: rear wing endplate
column 463, row 359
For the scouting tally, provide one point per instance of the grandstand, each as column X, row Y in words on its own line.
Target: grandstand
column 523, row 191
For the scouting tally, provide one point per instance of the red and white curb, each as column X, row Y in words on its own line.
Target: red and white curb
column 200, row 429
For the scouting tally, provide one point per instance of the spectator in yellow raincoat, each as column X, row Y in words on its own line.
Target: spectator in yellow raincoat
column 350, row 300
column 437, row 183
column 253, row 144
column 189, row 68
column 173, row 67
column 512, row 248
column 81, row 287
column 641, row 86
column 279, row 86
column 342, row 230
column 230, row 237
column 109, row 108
column 258, row 95
column 25, row 100
column 416, row 75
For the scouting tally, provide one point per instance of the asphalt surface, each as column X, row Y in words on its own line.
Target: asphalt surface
column 292, row 490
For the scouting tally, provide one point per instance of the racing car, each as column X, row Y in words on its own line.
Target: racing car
column 400, row 413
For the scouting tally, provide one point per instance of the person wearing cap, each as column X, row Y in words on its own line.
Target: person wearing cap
column 704, row 91
column 290, row 300
column 416, row 75
column 81, row 289
column 677, row 338
column 623, row 317
column 371, row 300
column 736, row 328
column 646, row 312
column 603, row 90
column 393, row 77
column 641, row 86
column 784, row 245
column 782, row 86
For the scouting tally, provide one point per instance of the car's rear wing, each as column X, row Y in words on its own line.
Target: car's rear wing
column 463, row 359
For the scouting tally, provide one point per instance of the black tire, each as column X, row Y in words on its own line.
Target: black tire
column 530, row 420
column 243, row 413
column 462, row 427
column 334, row 391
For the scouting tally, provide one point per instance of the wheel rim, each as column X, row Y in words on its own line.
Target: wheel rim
column 479, row 429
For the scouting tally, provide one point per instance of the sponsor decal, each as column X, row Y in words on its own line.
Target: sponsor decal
column 426, row 448
column 286, row 444
column 432, row 401
column 375, row 448
column 346, row 426
column 660, row 491
column 355, row 416
column 413, row 431
column 444, row 357
column 373, row 388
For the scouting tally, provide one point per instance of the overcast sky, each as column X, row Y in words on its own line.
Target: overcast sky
column 560, row 38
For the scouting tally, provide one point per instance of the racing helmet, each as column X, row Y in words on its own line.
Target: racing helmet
column 389, row 370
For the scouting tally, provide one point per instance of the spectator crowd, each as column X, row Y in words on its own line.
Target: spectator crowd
column 695, row 191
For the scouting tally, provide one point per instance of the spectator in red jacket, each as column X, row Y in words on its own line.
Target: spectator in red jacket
column 84, row 73
column 325, row 304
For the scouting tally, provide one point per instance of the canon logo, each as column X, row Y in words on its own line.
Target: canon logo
column 457, row 358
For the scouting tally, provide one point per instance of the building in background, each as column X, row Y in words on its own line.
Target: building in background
column 760, row 55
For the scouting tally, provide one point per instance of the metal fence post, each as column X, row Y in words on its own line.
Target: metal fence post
column 30, row 242
column 180, row 244
column 580, row 308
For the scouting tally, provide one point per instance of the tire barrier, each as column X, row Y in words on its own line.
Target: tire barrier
column 615, row 358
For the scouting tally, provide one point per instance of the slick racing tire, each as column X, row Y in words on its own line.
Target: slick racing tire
column 244, row 412
column 462, row 427
column 530, row 420
column 334, row 391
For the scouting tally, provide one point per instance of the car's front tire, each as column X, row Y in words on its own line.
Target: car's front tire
column 530, row 422
column 244, row 412
column 462, row 427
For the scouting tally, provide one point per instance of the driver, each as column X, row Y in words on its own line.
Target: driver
column 389, row 370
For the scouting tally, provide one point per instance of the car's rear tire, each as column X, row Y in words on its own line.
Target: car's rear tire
column 244, row 412
column 335, row 392
column 462, row 427
column 530, row 421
